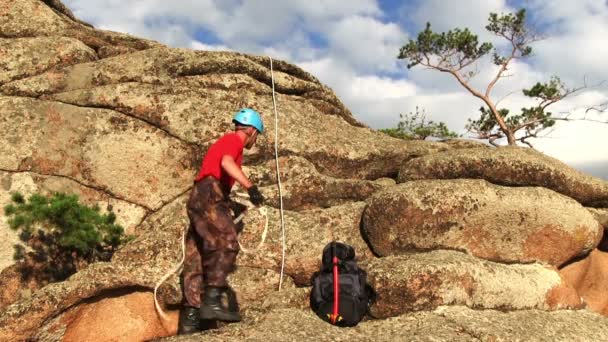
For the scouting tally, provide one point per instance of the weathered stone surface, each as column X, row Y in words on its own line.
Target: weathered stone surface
column 589, row 277
column 528, row 325
column 514, row 166
column 424, row 281
column 27, row 18
column 100, row 148
column 492, row 222
column 444, row 324
column 13, row 286
column 42, row 53
column 306, row 234
column 289, row 298
column 303, row 187
column 254, row 285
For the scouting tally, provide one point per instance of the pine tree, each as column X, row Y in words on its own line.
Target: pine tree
column 63, row 234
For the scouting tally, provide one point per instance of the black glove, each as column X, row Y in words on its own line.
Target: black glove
column 255, row 196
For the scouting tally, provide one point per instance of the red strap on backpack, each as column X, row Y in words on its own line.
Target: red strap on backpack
column 335, row 315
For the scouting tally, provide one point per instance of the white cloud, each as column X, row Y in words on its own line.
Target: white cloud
column 366, row 43
column 202, row 46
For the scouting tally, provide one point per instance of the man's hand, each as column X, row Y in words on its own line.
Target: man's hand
column 255, row 196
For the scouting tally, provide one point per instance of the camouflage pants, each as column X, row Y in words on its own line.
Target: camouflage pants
column 211, row 243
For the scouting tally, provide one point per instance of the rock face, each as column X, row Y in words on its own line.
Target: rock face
column 124, row 121
column 307, row 233
column 492, row 222
column 512, row 166
column 444, row 324
column 423, row 281
column 303, row 187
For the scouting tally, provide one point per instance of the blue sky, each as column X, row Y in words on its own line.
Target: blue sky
column 351, row 46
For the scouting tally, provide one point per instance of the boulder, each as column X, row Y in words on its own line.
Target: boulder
column 424, row 281
column 253, row 286
column 504, row 224
column 589, row 277
column 44, row 53
column 20, row 320
column 512, row 166
column 120, row 316
column 14, row 286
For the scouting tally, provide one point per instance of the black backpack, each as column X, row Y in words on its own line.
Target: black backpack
column 354, row 294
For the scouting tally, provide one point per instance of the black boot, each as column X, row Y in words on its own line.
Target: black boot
column 212, row 307
column 189, row 321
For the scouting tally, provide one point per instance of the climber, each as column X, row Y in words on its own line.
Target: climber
column 211, row 245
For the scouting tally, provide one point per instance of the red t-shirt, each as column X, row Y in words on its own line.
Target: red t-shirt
column 230, row 144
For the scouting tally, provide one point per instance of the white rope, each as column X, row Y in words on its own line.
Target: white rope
column 264, row 213
column 159, row 310
column 276, row 158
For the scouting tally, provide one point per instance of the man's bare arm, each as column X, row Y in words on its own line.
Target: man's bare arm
column 229, row 165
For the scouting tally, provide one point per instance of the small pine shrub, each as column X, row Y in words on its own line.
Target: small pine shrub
column 416, row 126
column 64, row 235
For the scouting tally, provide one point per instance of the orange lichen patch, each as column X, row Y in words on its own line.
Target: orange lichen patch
column 54, row 76
column 468, row 284
column 300, row 270
column 13, row 285
column 53, row 115
column 422, row 291
column 153, row 182
column 552, row 245
column 563, row 296
column 479, row 243
column 141, row 110
column 47, row 166
column 77, row 168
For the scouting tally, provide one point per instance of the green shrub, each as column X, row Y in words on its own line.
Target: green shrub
column 416, row 126
column 64, row 235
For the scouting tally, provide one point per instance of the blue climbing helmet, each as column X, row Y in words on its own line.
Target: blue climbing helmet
column 249, row 117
